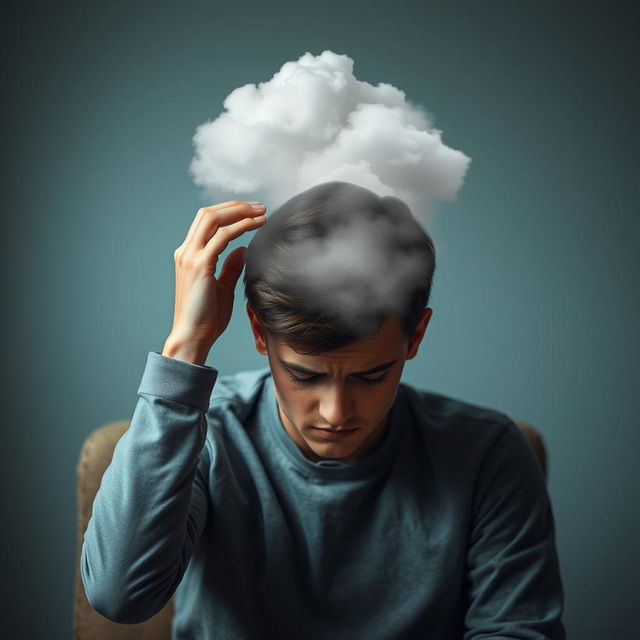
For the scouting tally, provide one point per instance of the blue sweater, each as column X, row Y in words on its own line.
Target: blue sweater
column 445, row 531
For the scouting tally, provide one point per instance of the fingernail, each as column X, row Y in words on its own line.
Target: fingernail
column 257, row 206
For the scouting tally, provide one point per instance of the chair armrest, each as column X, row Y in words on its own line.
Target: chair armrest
column 95, row 457
column 537, row 444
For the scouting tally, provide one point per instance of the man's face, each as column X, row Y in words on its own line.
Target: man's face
column 349, row 390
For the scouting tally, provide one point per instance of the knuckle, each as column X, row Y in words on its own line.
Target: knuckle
column 232, row 204
column 194, row 262
column 187, row 262
column 223, row 231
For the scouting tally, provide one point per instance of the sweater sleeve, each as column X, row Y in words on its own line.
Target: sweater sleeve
column 151, row 506
column 513, row 584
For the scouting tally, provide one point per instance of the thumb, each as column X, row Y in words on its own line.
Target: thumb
column 232, row 268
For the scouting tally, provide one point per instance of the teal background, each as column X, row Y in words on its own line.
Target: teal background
column 536, row 305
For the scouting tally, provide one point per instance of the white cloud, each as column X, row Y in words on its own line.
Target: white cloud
column 315, row 122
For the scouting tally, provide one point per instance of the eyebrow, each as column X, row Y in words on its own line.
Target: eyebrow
column 299, row 369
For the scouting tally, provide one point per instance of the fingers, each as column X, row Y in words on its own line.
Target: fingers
column 232, row 268
column 224, row 235
column 214, row 218
column 201, row 212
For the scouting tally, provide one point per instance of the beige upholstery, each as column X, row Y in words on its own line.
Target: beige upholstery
column 95, row 457
column 88, row 624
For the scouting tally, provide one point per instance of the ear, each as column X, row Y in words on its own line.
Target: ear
column 258, row 333
column 419, row 333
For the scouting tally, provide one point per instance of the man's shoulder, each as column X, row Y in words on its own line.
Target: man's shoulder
column 239, row 391
column 440, row 412
column 462, row 431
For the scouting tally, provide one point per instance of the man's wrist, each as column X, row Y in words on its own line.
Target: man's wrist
column 181, row 350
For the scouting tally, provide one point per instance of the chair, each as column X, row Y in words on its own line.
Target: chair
column 95, row 457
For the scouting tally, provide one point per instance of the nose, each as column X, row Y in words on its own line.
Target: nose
column 336, row 407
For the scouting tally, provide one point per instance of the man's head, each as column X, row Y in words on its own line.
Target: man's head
column 337, row 283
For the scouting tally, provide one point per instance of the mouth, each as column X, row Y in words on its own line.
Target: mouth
column 333, row 434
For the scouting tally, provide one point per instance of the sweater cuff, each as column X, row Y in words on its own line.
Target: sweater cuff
column 183, row 382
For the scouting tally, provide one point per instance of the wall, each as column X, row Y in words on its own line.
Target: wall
column 536, row 306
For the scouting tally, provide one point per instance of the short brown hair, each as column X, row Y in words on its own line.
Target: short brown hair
column 289, row 308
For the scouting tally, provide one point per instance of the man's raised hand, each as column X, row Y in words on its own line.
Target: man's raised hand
column 203, row 303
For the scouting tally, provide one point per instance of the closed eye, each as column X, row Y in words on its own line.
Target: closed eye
column 310, row 380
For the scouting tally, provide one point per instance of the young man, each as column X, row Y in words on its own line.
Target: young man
column 319, row 497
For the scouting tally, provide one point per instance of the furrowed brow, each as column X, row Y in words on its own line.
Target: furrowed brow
column 299, row 369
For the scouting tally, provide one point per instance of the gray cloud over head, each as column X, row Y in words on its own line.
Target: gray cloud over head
column 353, row 276
column 344, row 253
column 315, row 122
